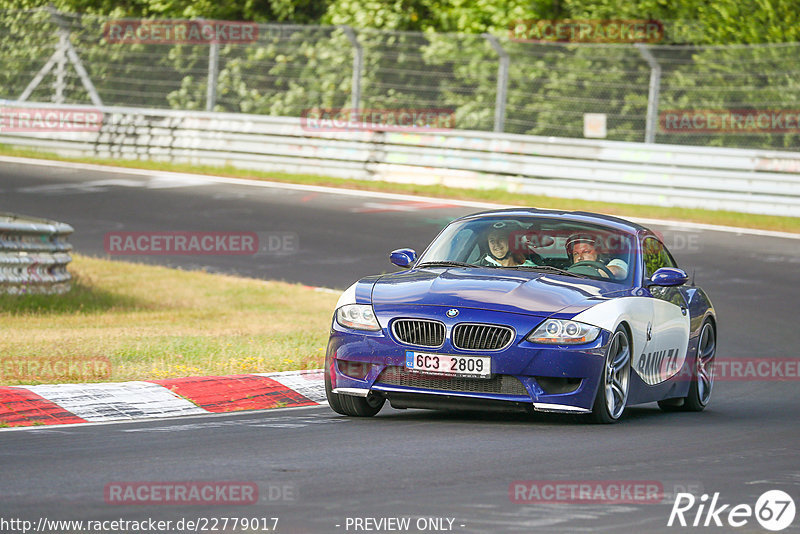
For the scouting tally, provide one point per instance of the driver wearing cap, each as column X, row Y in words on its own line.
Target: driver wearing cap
column 584, row 248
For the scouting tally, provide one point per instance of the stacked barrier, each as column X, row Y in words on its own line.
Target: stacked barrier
column 34, row 254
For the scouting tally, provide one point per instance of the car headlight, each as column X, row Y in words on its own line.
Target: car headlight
column 558, row 331
column 358, row 316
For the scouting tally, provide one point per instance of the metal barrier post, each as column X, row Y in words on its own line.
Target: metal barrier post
column 502, row 83
column 653, row 92
column 213, row 75
column 358, row 65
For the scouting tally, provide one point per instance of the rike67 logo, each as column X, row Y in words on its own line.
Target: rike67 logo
column 774, row 510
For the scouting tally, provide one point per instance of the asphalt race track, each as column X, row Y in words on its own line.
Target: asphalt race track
column 316, row 469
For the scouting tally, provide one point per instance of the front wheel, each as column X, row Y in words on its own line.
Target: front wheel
column 612, row 393
column 702, row 378
column 349, row 405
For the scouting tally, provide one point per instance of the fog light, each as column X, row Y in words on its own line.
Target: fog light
column 357, row 370
column 558, row 385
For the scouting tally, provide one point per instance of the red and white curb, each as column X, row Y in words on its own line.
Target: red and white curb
column 125, row 401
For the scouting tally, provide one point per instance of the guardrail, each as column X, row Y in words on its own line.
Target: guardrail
column 34, row 255
column 743, row 180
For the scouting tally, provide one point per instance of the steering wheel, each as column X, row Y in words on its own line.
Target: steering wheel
column 535, row 257
column 596, row 265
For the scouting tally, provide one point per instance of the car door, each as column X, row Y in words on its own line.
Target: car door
column 668, row 335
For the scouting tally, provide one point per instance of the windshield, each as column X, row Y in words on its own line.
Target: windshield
column 534, row 243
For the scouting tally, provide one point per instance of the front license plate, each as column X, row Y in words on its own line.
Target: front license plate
column 446, row 364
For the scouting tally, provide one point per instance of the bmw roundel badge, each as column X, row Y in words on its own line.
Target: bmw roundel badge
column 452, row 312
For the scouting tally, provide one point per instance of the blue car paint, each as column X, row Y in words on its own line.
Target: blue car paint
column 521, row 359
column 519, row 299
column 486, row 288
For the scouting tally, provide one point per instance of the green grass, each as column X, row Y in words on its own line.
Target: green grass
column 725, row 218
column 153, row 322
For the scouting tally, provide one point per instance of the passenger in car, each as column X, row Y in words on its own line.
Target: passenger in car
column 500, row 253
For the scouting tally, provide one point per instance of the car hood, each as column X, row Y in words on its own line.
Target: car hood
column 527, row 292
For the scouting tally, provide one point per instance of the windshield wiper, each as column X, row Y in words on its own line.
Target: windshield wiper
column 445, row 264
column 551, row 269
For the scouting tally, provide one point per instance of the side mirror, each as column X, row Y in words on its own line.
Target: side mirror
column 669, row 276
column 403, row 257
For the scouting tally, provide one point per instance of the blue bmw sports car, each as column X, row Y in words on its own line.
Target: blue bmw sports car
column 525, row 309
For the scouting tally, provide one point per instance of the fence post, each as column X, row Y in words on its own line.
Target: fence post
column 358, row 65
column 502, row 83
column 653, row 93
column 61, row 66
column 213, row 75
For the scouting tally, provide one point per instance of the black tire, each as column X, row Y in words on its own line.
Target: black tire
column 350, row 405
column 615, row 379
column 333, row 398
column 702, row 383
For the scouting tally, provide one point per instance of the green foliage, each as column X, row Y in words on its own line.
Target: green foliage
column 411, row 61
column 381, row 14
column 695, row 21
column 703, row 22
column 297, row 11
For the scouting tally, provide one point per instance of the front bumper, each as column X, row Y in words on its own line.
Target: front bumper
column 532, row 376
